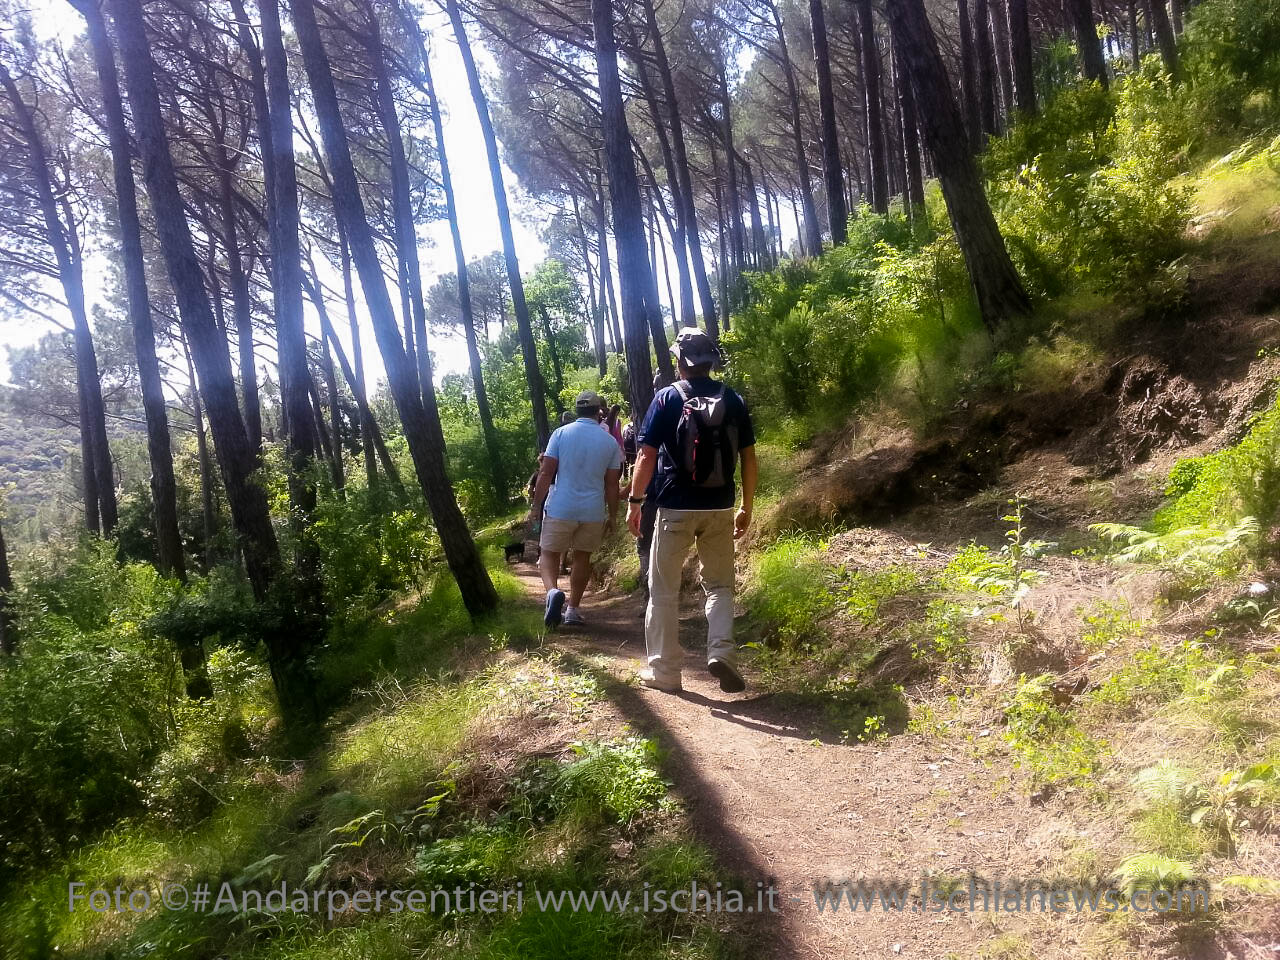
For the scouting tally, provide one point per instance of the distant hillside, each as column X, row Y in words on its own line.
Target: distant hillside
column 39, row 473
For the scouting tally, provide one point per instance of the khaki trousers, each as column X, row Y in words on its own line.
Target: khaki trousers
column 674, row 533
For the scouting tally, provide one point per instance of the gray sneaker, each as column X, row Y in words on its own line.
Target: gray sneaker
column 572, row 618
column 649, row 680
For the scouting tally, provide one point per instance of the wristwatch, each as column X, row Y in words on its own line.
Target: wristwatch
column 635, row 499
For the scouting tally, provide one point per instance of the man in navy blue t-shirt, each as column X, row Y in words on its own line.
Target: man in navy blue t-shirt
column 695, row 497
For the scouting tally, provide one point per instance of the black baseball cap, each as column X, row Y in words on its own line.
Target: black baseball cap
column 695, row 348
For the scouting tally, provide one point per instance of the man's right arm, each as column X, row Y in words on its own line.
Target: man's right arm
column 546, row 477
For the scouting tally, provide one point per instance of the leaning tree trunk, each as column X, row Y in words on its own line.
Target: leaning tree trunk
column 1092, row 63
column 687, row 313
column 684, row 181
column 996, row 285
column 634, row 272
column 164, row 488
column 832, row 173
column 478, row 594
column 1020, row 56
column 528, row 347
column 301, row 428
column 877, row 176
column 237, row 458
column 812, row 233
column 62, row 239
column 1004, row 68
column 497, row 470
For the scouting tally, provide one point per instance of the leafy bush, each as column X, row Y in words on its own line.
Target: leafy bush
column 1231, row 49
column 87, row 705
column 1083, row 192
column 1046, row 737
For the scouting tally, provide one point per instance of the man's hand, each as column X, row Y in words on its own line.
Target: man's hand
column 741, row 521
column 633, row 519
column 609, row 523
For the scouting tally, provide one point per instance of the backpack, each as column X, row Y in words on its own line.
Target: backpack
column 706, row 448
column 629, row 439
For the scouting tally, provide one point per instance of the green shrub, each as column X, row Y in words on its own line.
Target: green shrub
column 1230, row 50
column 791, row 589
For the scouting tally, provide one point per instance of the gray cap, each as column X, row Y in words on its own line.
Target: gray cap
column 694, row 348
column 588, row 400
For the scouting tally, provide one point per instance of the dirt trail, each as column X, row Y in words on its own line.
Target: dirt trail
column 781, row 800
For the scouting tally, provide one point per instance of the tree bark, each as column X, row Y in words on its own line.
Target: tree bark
column 62, row 239
column 478, row 594
column 207, row 514
column 301, row 428
column 969, row 99
column 528, row 348
column 1135, row 46
column 164, row 488
column 1020, row 57
column 634, row 272
column 832, row 173
column 355, row 375
column 984, row 54
column 335, row 415
column 8, row 630
column 686, row 312
column 914, row 195
column 1004, row 69
column 684, row 181
column 877, row 176
column 1158, row 15
column 236, row 456
column 996, row 285
column 1092, row 63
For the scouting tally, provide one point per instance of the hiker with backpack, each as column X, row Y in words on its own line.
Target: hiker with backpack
column 690, row 444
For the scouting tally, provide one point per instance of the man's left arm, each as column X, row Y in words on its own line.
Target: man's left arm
column 750, row 471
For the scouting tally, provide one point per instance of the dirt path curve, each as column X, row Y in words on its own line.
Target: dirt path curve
column 782, row 801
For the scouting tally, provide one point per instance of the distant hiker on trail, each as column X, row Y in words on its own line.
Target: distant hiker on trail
column 689, row 444
column 614, row 426
column 584, row 463
column 629, row 445
column 566, row 418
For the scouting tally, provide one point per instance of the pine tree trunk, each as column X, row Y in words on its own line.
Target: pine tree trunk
column 1175, row 15
column 606, row 271
column 984, row 54
column 207, row 514
column 1158, row 16
column 914, row 196
column 1135, row 45
column 236, row 457
column 812, row 232
column 635, row 275
column 683, row 183
column 62, row 239
column 1020, row 57
column 1092, row 63
column 877, row 176
column 478, row 594
column 685, row 312
column 528, row 348
column 997, row 287
column 969, row 98
column 335, row 415
column 832, row 173
column 164, row 488
column 301, row 426
column 1004, row 69
column 8, row 630
column 497, row 471
column 597, row 309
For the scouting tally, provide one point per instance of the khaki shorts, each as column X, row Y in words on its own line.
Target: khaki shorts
column 561, row 535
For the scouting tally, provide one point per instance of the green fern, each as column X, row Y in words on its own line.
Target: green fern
column 1151, row 871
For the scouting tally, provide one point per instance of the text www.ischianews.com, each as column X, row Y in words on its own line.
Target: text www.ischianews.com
column 929, row 895
column 933, row 896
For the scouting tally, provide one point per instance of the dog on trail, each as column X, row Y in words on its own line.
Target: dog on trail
column 514, row 552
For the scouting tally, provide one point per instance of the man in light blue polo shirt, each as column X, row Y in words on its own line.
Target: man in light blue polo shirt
column 584, row 463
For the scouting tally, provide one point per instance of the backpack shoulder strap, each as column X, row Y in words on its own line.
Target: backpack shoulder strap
column 684, row 388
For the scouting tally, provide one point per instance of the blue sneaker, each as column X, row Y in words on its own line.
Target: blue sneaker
column 555, row 604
